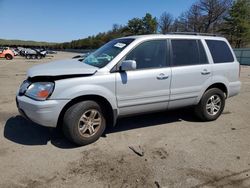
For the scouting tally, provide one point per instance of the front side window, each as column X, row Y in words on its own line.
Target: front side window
column 104, row 55
column 149, row 54
column 220, row 51
column 188, row 52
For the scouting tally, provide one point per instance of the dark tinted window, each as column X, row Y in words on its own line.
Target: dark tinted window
column 188, row 52
column 150, row 54
column 220, row 51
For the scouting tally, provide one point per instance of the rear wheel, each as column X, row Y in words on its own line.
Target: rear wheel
column 211, row 105
column 28, row 57
column 33, row 56
column 84, row 123
column 8, row 57
column 39, row 56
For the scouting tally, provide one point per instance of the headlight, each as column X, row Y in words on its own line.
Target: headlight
column 40, row 90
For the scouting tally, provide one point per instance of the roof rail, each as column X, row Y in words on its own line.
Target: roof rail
column 193, row 33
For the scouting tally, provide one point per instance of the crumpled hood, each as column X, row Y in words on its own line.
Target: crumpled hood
column 61, row 68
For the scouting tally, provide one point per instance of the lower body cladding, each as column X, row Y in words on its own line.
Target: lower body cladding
column 45, row 113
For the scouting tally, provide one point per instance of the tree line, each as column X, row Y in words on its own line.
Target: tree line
column 23, row 43
column 230, row 18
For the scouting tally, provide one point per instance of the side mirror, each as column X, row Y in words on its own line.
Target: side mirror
column 128, row 65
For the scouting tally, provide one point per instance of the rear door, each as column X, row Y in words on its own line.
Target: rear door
column 191, row 71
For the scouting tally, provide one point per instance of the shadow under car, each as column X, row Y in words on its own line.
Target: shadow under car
column 22, row 131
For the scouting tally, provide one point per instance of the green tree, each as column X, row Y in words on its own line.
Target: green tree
column 144, row 25
column 149, row 24
column 135, row 26
column 237, row 24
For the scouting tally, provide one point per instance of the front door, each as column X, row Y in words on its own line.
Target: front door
column 148, row 87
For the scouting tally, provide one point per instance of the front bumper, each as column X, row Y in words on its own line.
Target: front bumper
column 45, row 113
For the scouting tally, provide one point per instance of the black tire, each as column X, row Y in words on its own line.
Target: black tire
column 207, row 114
column 39, row 57
column 8, row 57
column 28, row 57
column 71, row 123
column 33, row 56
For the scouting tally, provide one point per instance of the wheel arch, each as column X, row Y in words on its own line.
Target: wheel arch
column 109, row 112
column 220, row 86
column 5, row 55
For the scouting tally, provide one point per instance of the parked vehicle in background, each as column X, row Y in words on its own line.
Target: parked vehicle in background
column 128, row 76
column 35, row 53
column 6, row 53
column 21, row 51
column 15, row 51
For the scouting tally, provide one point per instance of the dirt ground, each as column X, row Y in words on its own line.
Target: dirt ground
column 179, row 151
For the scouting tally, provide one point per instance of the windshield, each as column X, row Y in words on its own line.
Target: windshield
column 107, row 53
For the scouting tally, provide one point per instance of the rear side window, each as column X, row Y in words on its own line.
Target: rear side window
column 188, row 52
column 220, row 51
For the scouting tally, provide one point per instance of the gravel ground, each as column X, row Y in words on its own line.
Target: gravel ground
column 178, row 150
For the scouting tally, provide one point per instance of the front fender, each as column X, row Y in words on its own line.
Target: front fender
column 5, row 52
column 69, row 89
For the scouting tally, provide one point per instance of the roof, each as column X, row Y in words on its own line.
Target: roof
column 177, row 35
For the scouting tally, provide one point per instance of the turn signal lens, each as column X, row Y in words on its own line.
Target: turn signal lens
column 43, row 94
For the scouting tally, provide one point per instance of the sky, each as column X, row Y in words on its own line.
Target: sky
column 66, row 20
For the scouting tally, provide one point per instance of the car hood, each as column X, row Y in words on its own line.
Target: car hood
column 62, row 68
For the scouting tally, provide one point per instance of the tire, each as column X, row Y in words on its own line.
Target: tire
column 78, row 123
column 28, row 57
column 39, row 57
column 211, row 105
column 33, row 56
column 8, row 57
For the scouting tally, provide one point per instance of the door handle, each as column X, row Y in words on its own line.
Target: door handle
column 205, row 72
column 162, row 77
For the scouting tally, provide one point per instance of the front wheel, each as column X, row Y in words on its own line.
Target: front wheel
column 211, row 105
column 8, row 57
column 84, row 123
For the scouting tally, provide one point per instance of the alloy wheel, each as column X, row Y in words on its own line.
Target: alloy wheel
column 213, row 105
column 89, row 123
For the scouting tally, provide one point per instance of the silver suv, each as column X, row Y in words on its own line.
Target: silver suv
column 131, row 75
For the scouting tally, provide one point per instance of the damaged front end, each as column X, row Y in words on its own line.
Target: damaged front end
column 41, row 79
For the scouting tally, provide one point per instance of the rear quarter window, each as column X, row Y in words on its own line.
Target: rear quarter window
column 220, row 51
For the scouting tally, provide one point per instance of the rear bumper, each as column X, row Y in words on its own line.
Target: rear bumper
column 45, row 113
column 234, row 88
